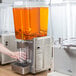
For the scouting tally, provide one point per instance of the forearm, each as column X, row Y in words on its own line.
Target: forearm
column 15, row 55
column 4, row 50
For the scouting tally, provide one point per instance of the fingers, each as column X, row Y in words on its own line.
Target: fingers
column 19, row 56
column 22, row 57
column 22, row 53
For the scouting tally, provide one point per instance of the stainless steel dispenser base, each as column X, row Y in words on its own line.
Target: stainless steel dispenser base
column 21, row 69
column 40, row 52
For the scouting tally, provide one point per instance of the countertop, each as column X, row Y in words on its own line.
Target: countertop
column 6, row 70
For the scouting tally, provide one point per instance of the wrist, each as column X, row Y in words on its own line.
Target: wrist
column 10, row 54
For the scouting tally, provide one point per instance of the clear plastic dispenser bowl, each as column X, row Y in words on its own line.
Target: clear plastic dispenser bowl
column 30, row 19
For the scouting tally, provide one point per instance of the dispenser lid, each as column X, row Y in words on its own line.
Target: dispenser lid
column 32, row 3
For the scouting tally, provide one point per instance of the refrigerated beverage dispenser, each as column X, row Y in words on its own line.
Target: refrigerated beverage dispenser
column 31, row 26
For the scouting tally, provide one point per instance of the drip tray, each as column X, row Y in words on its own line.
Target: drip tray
column 21, row 68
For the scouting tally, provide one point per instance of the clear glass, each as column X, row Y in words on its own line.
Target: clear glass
column 26, row 58
column 31, row 19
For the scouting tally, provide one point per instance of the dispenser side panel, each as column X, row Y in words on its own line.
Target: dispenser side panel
column 42, row 54
column 39, row 54
column 47, row 53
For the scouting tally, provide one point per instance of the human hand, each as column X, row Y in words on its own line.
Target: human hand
column 18, row 56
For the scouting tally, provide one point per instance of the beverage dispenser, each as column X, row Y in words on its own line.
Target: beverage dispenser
column 31, row 27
